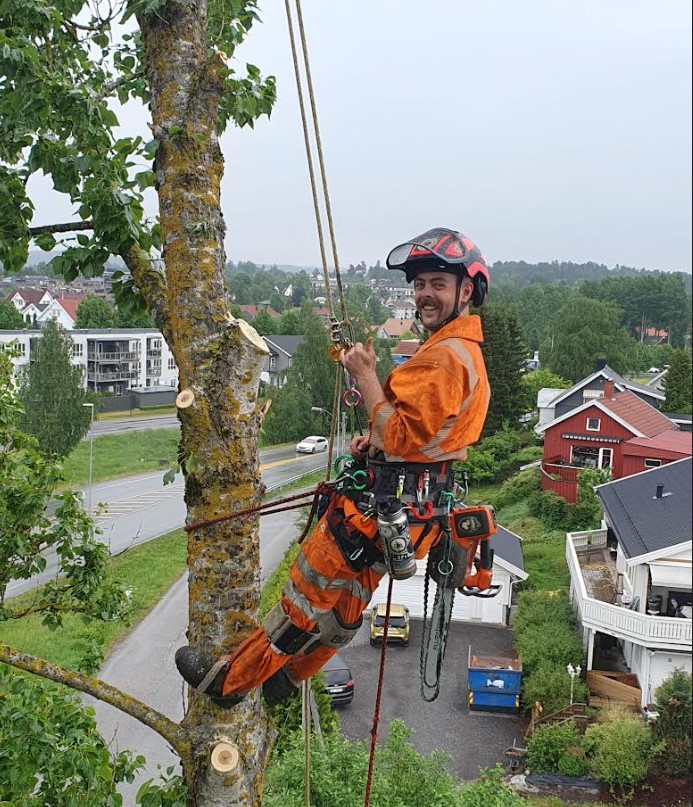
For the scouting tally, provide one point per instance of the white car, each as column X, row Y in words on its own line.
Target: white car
column 312, row 445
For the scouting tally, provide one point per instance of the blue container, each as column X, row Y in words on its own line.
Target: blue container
column 494, row 682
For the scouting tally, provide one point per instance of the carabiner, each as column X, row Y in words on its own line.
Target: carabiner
column 343, row 458
column 427, row 515
column 356, row 475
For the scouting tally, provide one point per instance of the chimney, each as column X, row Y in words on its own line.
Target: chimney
column 600, row 363
column 609, row 388
column 660, row 492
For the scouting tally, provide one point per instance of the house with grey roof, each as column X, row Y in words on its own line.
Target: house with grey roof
column 590, row 389
column 508, row 570
column 279, row 359
column 631, row 582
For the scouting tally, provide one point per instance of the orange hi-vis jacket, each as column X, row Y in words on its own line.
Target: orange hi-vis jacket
column 436, row 404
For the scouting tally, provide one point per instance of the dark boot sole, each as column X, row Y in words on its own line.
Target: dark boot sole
column 194, row 667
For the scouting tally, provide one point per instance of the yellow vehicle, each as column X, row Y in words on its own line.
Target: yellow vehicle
column 398, row 626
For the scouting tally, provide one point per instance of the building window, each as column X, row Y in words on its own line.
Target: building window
column 593, row 424
column 590, row 457
column 22, row 348
column 171, row 363
column 272, row 363
column 77, row 350
column 290, row 360
column 592, row 394
column 652, row 463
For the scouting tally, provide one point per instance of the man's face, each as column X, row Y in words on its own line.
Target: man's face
column 434, row 296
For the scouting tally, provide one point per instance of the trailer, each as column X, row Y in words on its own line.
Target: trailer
column 493, row 682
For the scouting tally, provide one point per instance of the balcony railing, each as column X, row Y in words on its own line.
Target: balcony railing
column 615, row 620
column 123, row 375
column 115, row 356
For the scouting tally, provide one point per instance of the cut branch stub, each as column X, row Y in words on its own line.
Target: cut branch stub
column 224, row 757
column 185, row 399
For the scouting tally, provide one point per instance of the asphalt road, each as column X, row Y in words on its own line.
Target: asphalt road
column 472, row 739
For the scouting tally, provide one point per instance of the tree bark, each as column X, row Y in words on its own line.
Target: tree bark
column 219, row 360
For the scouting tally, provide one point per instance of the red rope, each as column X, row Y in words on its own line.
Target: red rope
column 378, row 698
column 261, row 508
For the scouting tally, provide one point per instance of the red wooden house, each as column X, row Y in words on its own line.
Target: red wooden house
column 619, row 431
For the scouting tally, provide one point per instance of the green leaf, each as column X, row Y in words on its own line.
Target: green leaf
column 45, row 241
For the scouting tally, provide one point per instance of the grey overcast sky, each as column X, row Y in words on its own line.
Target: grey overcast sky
column 544, row 129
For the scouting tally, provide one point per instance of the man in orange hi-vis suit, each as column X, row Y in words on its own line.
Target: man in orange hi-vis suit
column 431, row 408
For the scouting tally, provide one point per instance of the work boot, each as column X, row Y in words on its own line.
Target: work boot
column 205, row 674
column 278, row 687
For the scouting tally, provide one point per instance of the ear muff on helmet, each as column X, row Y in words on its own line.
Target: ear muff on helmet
column 480, row 292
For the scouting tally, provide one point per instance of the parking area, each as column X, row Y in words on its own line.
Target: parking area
column 472, row 739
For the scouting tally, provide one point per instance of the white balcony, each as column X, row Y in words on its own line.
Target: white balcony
column 655, row 632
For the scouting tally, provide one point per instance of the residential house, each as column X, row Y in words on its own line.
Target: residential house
column 631, row 582
column 61, row 309
column 279, row 359
column 618, row 431
column 251, row 311
column 653, row 336
column 508, row 569
column 591, row 388
column 404, row 350
column 394, row 328
column 401, row 307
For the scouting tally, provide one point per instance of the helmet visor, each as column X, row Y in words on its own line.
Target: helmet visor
column 445, row 245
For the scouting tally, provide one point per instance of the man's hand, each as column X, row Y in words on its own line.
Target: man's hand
column 358, row 447
column 360, row 360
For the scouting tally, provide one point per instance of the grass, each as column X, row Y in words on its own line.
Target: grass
column 138, row 414
column 149, row 570
column 543, row 549
column 118, row 455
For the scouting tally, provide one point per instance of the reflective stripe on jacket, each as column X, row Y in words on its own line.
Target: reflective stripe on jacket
column 436, row 402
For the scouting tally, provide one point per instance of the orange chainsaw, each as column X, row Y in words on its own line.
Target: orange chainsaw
column 471, row 528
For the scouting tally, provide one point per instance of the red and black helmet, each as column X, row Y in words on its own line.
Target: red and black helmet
column 443, row 250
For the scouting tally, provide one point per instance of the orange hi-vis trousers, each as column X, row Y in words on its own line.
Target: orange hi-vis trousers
column 320, row 581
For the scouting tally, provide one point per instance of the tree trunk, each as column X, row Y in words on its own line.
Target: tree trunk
column 219, row 361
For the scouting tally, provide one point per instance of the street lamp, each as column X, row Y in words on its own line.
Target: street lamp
column 91, row 453
column 572, row 672
column 327, row 412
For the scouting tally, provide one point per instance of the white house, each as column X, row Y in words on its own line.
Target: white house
column 631, row 582
column 508, row 569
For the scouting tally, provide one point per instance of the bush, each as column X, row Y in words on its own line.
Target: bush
column 673, row 726
column 518, row 487
column 537, row 609
column 549, row 684
column 512, row 464
column 573, row 762
column 551, row 508
column 556, row 644
column 548, row 744
column 619, row 753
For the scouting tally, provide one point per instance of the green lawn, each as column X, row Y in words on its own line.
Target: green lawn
column 117, row 455
column 149, row 570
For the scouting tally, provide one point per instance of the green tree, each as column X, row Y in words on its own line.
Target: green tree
column 264, row 323
column 10, row 318
column 29, row 480
column 672, row 727
column 64, row 67
column 537, row 380
column 677, row 383
column 52, row 394
column 95, row 312
column 134, row 319
column 504, row 354
column 289, row 324
column 581, row 332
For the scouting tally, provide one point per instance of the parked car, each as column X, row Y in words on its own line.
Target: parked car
column 339, row 682
column 398, row 626
column 312, row 445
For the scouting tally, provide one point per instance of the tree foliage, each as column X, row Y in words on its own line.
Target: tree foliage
column 537, row 380
column 677, row 383
column 583, row 331
column 504, row 353
column 672, row 727
column 52, row 752
column 52, row 394
column 95, row 312
column 29, row 483
column 10, row 318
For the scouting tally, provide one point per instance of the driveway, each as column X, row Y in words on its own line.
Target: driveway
column 472, row 739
